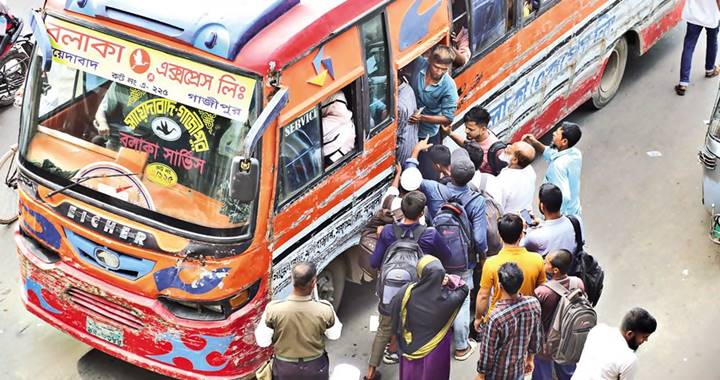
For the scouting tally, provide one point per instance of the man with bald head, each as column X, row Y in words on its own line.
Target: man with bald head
column 516, row 183
column 295, row 327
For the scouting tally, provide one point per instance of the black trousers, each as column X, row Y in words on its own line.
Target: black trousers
column 318, row 369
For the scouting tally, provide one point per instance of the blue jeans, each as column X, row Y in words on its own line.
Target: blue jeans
column 691, row 36
column 461, row 325
column 544, row 370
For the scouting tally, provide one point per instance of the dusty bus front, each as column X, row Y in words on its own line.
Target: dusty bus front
column 135, row 236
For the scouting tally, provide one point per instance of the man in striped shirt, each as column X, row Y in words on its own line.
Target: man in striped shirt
column 513, row 332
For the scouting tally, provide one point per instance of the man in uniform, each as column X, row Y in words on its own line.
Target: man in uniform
column 295, row 327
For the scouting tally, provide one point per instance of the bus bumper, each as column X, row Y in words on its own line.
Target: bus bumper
column 138, row 329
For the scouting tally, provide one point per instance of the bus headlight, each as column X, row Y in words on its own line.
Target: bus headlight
column 211, row 310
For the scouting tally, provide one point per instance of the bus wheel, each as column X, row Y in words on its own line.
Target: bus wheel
column 612, row 75
column 331, row 282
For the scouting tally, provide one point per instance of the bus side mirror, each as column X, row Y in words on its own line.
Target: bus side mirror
column 244, row 179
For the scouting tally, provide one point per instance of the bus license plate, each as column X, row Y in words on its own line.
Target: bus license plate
column 105, row 332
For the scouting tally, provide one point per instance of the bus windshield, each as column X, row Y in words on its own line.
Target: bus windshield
column 168, row 159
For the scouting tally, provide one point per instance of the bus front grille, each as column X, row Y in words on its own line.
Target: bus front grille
column 99, row 306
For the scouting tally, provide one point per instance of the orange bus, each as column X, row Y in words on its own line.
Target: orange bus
column 171, row 158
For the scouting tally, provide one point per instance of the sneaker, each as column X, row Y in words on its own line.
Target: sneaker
column 391, row 357
column 712, row 73
column 468, row 351
column 680, row 89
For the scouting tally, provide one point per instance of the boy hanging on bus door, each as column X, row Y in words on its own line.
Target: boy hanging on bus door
column 436, row 96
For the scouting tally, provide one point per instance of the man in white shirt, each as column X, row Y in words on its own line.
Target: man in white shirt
column 699, row 14
column 293, row 327
column 609, row 353
column 517, row 181
column 556, row 231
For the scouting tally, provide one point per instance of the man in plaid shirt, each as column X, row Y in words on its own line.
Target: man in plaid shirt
column 513, row 332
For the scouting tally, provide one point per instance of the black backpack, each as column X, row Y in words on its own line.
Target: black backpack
column 453, row 223
column 585, row 266
column 495, row 163
column 399, row 265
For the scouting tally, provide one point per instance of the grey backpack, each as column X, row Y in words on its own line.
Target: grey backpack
column 573, row 319
column 399, row 265
column 493, row 212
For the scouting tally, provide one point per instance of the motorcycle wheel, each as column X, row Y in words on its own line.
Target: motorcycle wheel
column 13, row 69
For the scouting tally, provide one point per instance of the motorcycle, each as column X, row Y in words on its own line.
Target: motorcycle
column 15, row 52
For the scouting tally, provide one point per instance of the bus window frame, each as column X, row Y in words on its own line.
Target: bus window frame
column 545, row 5
column 477, row 55
column 368, row 132
column 181, row 228
column 517, row 27
column 280, row 204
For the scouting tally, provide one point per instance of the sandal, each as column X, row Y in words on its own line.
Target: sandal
column 712, row 74
column 680, row 89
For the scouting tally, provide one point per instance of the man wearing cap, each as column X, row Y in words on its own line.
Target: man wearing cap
column 404, row 182
column 430, row 241
column 564, row 164
column 462, row 170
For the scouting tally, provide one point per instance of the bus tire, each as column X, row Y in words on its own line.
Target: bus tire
column 331, row 282
column 612, row 75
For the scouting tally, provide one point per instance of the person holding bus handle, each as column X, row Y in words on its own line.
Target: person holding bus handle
column 564, row 164
column 292, row 327
column 436, row 95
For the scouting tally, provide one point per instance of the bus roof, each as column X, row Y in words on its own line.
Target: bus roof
column 251, row 35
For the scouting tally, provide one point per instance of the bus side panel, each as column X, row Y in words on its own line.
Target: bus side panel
column 554, row 63
column 652, row 30
column 319, row 223
column 415, row 26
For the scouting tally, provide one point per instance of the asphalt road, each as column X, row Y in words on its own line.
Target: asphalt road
column 642, row 214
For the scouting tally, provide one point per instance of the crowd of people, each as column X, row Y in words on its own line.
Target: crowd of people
column 464, row 267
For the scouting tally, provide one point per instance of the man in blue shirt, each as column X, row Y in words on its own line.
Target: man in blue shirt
column 462, row 170
column 564, row 164
column 436, row 94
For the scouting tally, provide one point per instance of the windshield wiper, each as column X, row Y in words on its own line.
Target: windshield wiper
column 83, row 179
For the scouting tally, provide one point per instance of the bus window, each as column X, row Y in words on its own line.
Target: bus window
column 376, row 66
column 460, row 34
column 529, row 8
column 490, row 21
column 61, row 92
column 317, row 141
column 300, row 154
column 338, row 126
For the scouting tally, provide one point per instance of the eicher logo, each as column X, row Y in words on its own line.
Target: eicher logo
column 108, row 227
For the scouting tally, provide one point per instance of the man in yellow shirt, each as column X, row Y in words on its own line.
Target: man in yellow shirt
column 510, row 227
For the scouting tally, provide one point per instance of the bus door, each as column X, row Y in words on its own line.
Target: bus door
column 335, row 151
